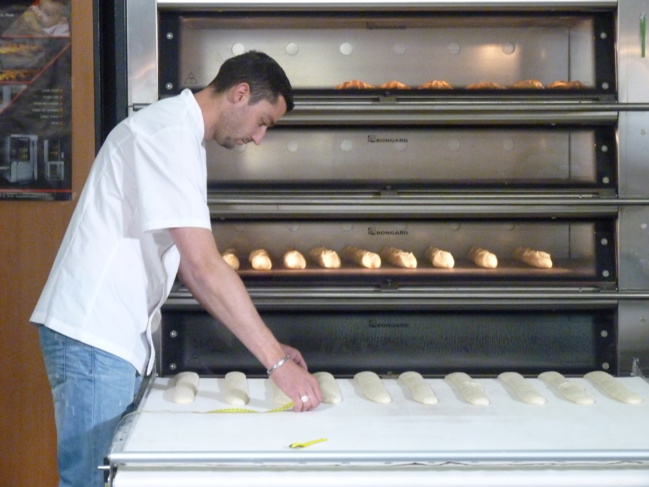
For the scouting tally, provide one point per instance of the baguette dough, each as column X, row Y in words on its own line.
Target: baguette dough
column 398, row 257
column 363, row 258
column 609, row 386
column 294, row 260
column 330, row 391
column 260, row 260
column 483, row 258
column 372, row 387
column 324, row 257
column 534, row 258
column 278, row 395
column 420, row 389
column 231, row 258
column 236, row 389
column 470, row 390
column 185, row 388
column 570, row 390
column 440, row 258
column 522, row 388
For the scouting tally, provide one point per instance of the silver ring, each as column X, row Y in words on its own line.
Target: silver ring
column 305, row 398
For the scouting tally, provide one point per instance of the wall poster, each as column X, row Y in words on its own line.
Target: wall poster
column 35, row 100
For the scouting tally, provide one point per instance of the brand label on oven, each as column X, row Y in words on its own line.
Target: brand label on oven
column 386, row 231
column 376, row 139
column 388, row 324
column 374, row 26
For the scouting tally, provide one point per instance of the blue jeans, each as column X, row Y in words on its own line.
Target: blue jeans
column 92, row 390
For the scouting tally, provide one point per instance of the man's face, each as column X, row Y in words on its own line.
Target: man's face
column 48, row 13
column 244, row 123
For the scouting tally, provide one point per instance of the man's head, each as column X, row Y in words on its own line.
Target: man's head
column 266, row 79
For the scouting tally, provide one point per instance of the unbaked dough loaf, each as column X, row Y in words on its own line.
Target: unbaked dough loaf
column 278, row 395
column 534, row 258
column 440, row 258
column 236, row 389
column 185, row 388
column 398, row 257
column 230, row 257
column 354, row 84
column 570, row 390
column 420, row 389
column 363, row 258
column 436, row 84
column 470, row 390
column 372, row 387
column 324, row 257
column 260, row 260
column 483, row 258
column 330, row 391
column 522, row 388
column 613, row 388
column 294, row 260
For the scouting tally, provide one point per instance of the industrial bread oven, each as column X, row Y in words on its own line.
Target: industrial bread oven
column 510, row 135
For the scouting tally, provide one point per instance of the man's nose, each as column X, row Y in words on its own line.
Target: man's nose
column 258, row 136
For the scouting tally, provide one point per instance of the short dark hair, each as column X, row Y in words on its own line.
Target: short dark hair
column 266, row 78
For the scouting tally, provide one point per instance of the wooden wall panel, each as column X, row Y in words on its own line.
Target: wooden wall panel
column 30, row 234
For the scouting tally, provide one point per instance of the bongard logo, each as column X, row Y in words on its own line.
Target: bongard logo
column 373, row 139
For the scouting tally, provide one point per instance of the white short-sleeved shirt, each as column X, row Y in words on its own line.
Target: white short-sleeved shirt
column 117, row 262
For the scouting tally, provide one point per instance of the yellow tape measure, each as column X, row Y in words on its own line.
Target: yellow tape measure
column 244, row 410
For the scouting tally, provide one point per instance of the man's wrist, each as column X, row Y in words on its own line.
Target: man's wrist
column 278, row 364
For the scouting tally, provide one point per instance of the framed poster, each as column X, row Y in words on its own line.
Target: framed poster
column 35, row 100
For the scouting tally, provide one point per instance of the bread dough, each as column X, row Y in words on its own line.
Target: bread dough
column 354, row 84
column 611, row 387
column 372, row 387
column 440, row 258
column 324, row 257
column 230, row 257
column 294, row 260
column 534, row 258
column 260, row 260
column 398, row 257
column 236, row 389
column 363, row 258
column 420, row 389
column 395, row 85
column 470, row 390
column 522, row 388
column 185, row 388
column 330, row 391
column 570, row 390
column 482, row 258
column 436, row 84
column 278, row 395
column 529, row 84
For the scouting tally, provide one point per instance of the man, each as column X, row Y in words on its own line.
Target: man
column 141, row 219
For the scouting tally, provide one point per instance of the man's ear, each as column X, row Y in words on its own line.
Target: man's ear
column 239, row 93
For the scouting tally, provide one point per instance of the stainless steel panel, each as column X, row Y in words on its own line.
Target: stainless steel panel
column 633, row 227
column 633, row 66
column 142, row 52
column 633, row 335
column 633, row 134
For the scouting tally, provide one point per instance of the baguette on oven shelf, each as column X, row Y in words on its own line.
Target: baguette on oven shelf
column 437, row 84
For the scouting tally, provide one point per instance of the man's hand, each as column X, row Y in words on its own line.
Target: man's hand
column 296, row 382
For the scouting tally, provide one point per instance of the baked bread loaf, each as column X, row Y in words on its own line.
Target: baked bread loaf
column 398, row 257
column 363, row 258
column 485, row 85
column 394, row 85
column 294, row 260
column 567, row 85
column 529, row 84
column 231, row 258
column 440, row 258
column 483, row 258
column 534, row 258
column 436, row 84
column 260, row 260
column 354, row 84
column 325, row 257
